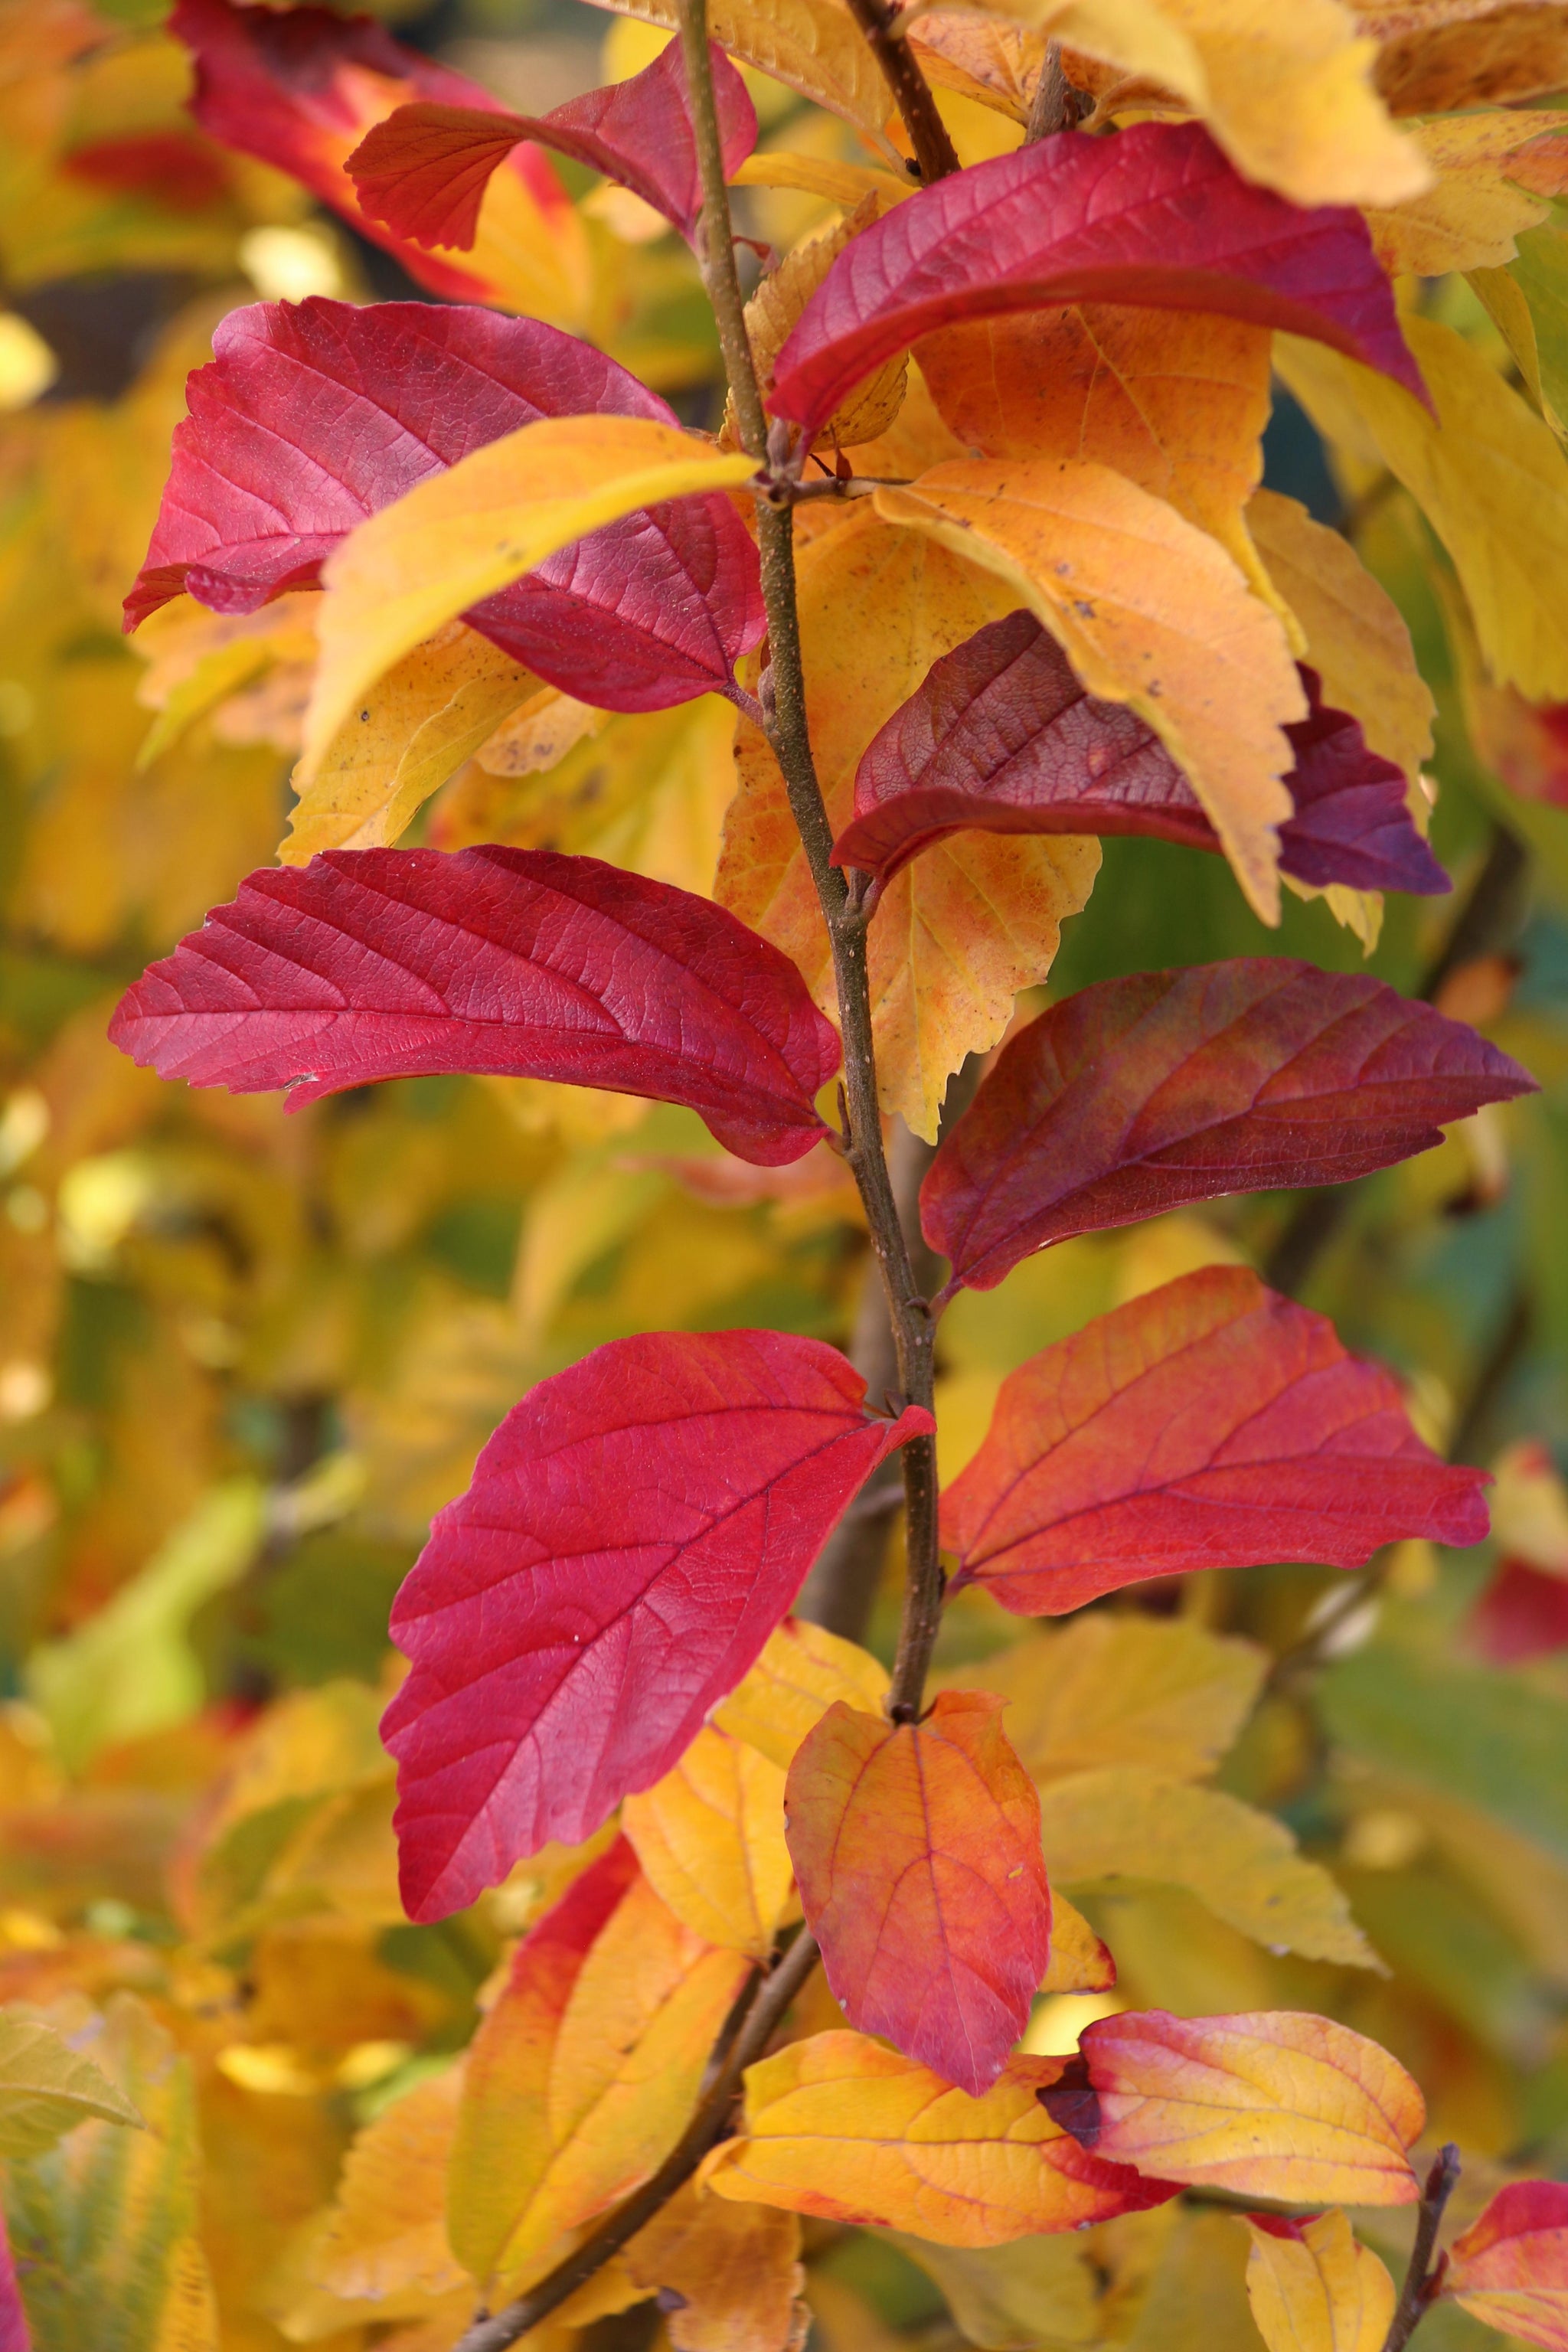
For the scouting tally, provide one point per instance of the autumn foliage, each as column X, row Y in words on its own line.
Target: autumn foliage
column 816, row 904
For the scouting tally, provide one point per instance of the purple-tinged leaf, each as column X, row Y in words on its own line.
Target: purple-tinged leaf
column 635, row 1529
column 1000, row 736
column 1140, row 1095
column 313, row 415
column 424, row 171
column 384, row 963
column 1155, row 216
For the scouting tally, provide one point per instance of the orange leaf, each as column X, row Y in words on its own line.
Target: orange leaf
column 917, row 1847
column 727, row 2276
column 1275, row 2103
column 841, row 2128
column 1313, row 2289
column 1510, row 2268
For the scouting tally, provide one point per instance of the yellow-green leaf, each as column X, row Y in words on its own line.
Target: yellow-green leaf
column 47, row 2088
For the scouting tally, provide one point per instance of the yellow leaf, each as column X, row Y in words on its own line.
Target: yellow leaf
column 727, row 2276
column 385, row 2242
column 1162, row 1693
column 820, row 175
column 646, row 791
column 462, row 535
column 1079, row 1962
column 1175, row 401
column 996, row 65
column 710, row 1837
column 772, row 314
column 1272, row 2103
column 811, row 46
column 581, row 2085
column 1355, row 633
column 804, row 1670
column 1435, row 55
column 1151, row 613
column 196, row 659
column 1313, row 2289
column 843, row 2128
column 414, row 727
column 47, row 2088
column 959, row 930
column 548, row 726
column 1490, row 477
column 1125, row 1822
column 1490, row 186
column 1138, row 40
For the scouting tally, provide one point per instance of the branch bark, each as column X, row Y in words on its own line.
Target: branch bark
column 1422, row 2278
column 934, row 151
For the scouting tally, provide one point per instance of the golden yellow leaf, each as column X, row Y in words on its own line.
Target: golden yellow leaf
column 771, row 316
column 1163, row 1693
column 1152, row 613
column 844, row 2128
column 647, row 791
column 1435, row 54
column 548, row 724
column 414, row 727
column 727, row 2276
column 819, row 176
column 959, row 930
column 803, row 1671
column 1356, row 638
column 996, row 64
column 1492, row 174
column 384, row 2242
column 1489, row 474
column 1172, row 399
column 1137, row 40
column 1126, row 1821
column 1079, row 1962
column 196, row 659
column 710, row 1837
column 811, row 46
column 1313, row 2289
column 462, row 535
column 582, row 2079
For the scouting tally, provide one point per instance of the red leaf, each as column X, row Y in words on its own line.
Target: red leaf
column 314, row 416
column 1510, row 2268
column 917, row 1850
column 1000, row 736
column 1209, row 1423
column 424, row 171
column 1138, row 1095
column 1156, row 216
column 301, row 86
column 177, row 168
column 384, row 963
column 1523, row 1614
column 635, row 1530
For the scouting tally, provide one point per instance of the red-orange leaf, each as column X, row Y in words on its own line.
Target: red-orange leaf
column 917, row 1850
column 1209, row 1423
column 1275, row 2104
column 1510, row 2268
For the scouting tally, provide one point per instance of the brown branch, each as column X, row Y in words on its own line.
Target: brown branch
column 495, row 2331
column 934, row 151
column 1055, row 105
column 1422, row 2280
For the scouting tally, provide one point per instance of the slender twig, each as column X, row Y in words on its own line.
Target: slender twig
column 710, row 2121
column 1054, row 103
column 715, row 244
column 1423, row 2279
column 934, row 151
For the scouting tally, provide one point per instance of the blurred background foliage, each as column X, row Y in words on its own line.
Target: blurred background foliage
column 244, row 1356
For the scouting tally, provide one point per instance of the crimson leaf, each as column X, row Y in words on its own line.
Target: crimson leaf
column 383, row 963
column 1138, row 1095
column 299, row 87
column 1209, row 1423
column 635, row 1530
column 313, row 415
column 1000, row 735
column 424, row 171
column 1155, row 216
